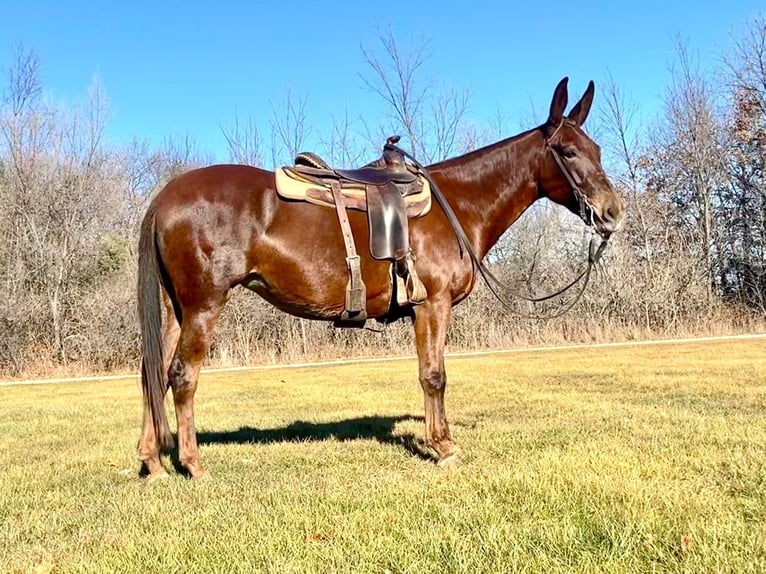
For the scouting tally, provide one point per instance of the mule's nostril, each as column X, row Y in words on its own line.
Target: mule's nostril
column 611, row 213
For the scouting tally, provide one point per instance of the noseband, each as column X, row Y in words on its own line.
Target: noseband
column 493, row 283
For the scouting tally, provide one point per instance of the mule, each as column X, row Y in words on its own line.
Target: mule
column 212, row 229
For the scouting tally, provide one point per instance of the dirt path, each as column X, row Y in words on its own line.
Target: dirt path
column 383, row 359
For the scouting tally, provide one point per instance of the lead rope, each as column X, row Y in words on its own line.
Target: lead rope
column 493, row 283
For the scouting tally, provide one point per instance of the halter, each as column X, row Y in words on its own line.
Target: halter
column 493, row 283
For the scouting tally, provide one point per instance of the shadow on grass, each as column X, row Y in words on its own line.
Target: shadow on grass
column 380, row 429
column 377, row 428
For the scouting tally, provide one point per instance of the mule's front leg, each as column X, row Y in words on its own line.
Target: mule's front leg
column 431, row 321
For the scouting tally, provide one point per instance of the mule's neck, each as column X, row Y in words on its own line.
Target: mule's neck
column 491, row 187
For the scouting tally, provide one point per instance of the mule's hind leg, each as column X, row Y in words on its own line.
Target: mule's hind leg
column 431, row 319
column 196, row 335
column 148, row 446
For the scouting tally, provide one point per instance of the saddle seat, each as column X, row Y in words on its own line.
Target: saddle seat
column 391, row 167
column 377, row 175
column 390, row 191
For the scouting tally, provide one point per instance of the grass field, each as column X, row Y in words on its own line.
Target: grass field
column 624, row 459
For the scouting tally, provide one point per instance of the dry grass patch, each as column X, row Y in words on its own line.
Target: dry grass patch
column 629, row 459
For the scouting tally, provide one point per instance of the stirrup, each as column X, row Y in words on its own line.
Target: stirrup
column 355, row 313
column 416, row 291
column 410, row 289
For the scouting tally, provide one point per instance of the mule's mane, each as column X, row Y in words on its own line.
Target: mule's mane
column 483, row 152
column 490, row 187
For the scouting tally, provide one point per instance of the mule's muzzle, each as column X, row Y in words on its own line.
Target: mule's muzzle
column 609, row 216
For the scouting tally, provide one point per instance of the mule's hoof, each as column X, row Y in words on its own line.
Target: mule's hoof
column 201, row 475
column 198, row 473
column 449, row 462
column 161, row 474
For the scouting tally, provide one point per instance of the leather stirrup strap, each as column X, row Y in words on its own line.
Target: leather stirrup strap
column 356, row 292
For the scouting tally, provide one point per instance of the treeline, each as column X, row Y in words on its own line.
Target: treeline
column 691, row 258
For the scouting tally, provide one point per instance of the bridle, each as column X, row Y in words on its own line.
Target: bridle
column 493, row 283
column 587, row 213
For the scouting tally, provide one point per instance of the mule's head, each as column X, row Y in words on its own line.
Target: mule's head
column 570, row 171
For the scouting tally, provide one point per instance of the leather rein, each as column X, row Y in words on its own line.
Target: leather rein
column 494, row 284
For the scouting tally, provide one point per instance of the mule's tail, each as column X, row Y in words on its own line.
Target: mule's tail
column 150, row 318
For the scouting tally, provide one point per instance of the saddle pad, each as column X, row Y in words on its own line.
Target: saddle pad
column 293, row 185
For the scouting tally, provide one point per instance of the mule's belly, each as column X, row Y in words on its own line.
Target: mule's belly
column 299, row 264
column 327, row 304
column 293, row 301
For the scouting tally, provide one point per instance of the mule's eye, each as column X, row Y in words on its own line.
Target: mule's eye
column 570, row 152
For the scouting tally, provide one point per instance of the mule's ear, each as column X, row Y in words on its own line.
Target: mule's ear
column 580, row 111
column 559, row 103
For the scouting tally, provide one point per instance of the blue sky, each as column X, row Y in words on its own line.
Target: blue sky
column 185, row 68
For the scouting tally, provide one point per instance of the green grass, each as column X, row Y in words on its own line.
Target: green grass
column 625, row 459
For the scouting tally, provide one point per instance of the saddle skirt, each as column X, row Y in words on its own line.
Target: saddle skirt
column 314, row 186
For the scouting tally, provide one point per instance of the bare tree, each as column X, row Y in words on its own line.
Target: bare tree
column 432, row 119
column 625, row 148
column 745, row 200
column 687, row 161
column 58, row 192
column 289, row 130
column 746, row 65
column 342, row 146
column 245, row 142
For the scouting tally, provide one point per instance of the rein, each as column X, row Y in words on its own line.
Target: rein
column 494, row 284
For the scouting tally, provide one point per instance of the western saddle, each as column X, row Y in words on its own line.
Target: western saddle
column 390, row 191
